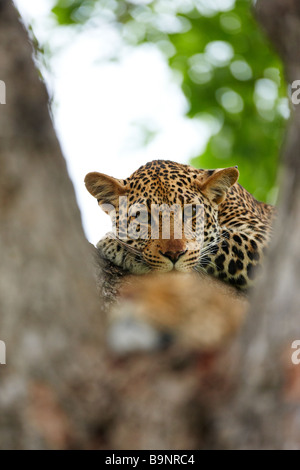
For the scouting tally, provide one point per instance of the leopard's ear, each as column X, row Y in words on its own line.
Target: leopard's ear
column 105, row 189
column 215, row 188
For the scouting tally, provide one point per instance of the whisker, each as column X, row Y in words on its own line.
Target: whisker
column 128, row 247
column 199, row 270
column 208, row 247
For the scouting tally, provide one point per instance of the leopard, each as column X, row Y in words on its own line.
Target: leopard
column 225, row 237
column 198, row 313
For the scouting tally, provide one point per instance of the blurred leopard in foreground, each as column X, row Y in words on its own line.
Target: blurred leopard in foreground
column 230, row 244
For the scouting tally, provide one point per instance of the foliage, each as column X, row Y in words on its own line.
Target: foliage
column 228, row 71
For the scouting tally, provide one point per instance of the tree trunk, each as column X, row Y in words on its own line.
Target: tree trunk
column 50, row 317
column 265, row 406
column 61, row 388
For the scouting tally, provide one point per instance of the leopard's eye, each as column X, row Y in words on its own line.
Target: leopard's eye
column 190, row 210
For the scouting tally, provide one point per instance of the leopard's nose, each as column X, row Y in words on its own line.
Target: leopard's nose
column 174, row 255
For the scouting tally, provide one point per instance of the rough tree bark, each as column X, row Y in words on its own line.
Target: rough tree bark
column 270, row 383
column 49, row 313
column 61, row 388
column 264, row 410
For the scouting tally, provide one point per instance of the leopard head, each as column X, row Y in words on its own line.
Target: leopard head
column 165, row 212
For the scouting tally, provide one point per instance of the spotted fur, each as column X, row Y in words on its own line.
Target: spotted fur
column 235, row 232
